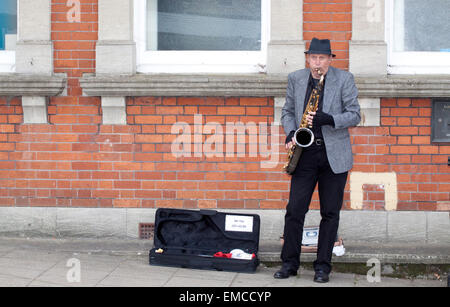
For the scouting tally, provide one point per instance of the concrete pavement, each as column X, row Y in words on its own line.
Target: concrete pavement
column 106, row 263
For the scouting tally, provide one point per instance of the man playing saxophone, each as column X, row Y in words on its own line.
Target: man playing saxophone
column 325, row 159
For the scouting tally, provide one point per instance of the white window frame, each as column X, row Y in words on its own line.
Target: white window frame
column 7, row 61
column 411, row 62
column 8, row 57
column 198, row 61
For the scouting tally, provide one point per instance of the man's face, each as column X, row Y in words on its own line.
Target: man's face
column 318, row 61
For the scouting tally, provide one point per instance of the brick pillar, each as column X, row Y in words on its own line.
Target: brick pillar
column 332, row 20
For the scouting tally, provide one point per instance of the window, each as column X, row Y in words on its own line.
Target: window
column 417, row 35
column 201, row 35
column 8, row 34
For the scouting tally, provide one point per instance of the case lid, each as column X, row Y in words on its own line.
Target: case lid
column 206, row 231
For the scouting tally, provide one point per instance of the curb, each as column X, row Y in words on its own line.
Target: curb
column 274, row 257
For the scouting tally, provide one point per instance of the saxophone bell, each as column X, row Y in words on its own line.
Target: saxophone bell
column 304, row 137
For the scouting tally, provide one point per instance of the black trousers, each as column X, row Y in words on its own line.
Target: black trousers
column 313, row 168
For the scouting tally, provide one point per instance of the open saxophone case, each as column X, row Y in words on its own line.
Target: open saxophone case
column 206, row 239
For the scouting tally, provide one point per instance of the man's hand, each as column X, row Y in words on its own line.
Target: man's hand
column 290, row 144
column 309, row 118
column 320, row 120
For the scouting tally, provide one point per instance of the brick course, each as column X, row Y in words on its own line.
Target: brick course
column 330, row 19
column 75, row 161
column 403, row 145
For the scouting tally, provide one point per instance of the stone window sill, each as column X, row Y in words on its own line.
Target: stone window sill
column 31, row 85
column 253, row 85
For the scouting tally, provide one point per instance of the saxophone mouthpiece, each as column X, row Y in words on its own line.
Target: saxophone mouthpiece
column 320, row 73
column 322, row 76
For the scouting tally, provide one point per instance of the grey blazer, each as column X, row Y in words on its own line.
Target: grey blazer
column 340, row 101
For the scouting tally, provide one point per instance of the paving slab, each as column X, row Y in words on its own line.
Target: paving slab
column 54, row 263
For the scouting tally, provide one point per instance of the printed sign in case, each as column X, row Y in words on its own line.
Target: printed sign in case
column 239, row 223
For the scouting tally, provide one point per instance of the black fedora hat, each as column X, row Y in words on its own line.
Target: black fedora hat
column 320, row 46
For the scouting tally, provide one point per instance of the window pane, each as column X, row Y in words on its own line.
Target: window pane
column 8, row 24
column 422, row 25
column 204, row 25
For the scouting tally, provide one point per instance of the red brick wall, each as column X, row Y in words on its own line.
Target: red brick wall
column 10, row 119
column 76, row 161
column 402, row 144
column 74, row 43
column 329, row 19
column 161, row 179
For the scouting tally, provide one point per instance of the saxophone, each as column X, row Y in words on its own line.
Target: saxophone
column 304, row 137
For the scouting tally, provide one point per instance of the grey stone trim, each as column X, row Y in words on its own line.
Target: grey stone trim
column 34, row 62
column 286, row 46
column 251, row 85
column 34, row 57
column 370, row 112
column 31, row 85
column 115, row 49
column 116, row 57
column 34, row 52
column 285, row 56
column 34, row 20
column 368, row 50
column 413, row 86
column 368, row 57
column 114, row 110
column 278, row 107
column 34, row 110
column 408, row 227
column 256, row 85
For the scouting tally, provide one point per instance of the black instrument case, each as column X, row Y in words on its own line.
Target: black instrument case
column 200, row 239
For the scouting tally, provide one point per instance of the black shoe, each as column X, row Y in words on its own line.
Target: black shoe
column 321, row 277
column 285, row 273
